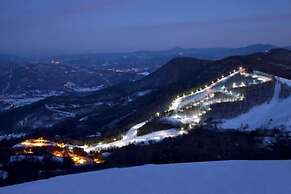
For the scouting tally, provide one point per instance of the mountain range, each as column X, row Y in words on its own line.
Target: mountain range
column 119, row 106
column 187, row 110
column 39, row 77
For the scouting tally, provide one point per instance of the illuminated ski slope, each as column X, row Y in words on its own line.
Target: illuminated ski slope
column 273, row 114
column 131, row 138
column 190, row 108
column 201, row 93
column 198, row 102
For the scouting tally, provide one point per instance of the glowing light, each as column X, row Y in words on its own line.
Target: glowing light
column 40, row 142
column 78, row 160
column 58, row 153
column 98, row 160
column 61, row 145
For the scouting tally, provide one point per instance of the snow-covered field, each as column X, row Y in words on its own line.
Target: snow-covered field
column 225, row 177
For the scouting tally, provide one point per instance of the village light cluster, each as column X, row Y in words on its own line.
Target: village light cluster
column 39, row 142
column 60, row 150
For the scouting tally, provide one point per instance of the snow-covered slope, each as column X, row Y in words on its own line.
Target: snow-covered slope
column 227, row 177
column 273, row 114
column 131, row 138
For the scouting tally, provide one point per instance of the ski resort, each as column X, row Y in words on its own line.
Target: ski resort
column 229, row 96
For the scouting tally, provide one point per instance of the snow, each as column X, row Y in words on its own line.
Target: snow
column 15, row 103
column 132, row 132
column 226, row 177
column 144, row 139
column 217, row 86
column 84, row 118
column 189, row 99
column 284, row 81
column 157, row 136
column 144, row 73
column 97, row 134
column 20, row 100
column 143, row 93
column 12, row 136
column 59, row 113
column 276, row 113
column 131, row 138
column 201, row 92
column 89, row 89
column 19, row 158
column 173, row 120
column 185, row 119
column 24, row 101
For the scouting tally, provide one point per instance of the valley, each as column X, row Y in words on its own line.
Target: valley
column 200, row 116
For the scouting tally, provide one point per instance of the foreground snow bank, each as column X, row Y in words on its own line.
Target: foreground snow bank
column 227, row 177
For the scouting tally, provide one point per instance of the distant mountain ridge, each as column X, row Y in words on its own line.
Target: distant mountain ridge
column 118, row 106
column 154, row 59
column 21, row 75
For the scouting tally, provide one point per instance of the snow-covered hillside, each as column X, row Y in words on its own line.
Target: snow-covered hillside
column 131, row 138
column 227, row 177
column 273, row 114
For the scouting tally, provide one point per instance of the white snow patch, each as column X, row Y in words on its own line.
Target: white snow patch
column 143, row 93
column 132, row 132
column 144, row 139
column 97, row 134
column 227, row 177
column 131, row 138
column 105, row 154
column 284, row 81
column 144, row 73
column 15, row 103
column 20, row 100
column 173, row 120
column 90, row 89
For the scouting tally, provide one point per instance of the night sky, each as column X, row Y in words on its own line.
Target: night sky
column 73, row 26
